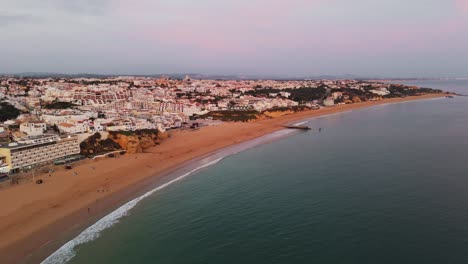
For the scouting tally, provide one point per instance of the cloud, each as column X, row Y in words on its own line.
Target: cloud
column 283, row 35
column 93, row 7
column 10, row 19
column 235, row 27
column 19, row 10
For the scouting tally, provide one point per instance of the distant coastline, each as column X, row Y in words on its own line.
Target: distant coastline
column 390, row 80
column 65, row 210
column 225, row 76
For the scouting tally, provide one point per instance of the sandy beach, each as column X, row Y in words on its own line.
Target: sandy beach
column 33, row 216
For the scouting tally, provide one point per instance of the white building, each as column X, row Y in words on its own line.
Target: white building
column 33, row 128
column 96, row 126
column 121, row 125
column 57, row 119
column 329, row 101
column 380, row 91
column 75, row 128
column 190, row 110
column 337, row 95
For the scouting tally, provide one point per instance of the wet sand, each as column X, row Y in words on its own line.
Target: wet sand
column 35, row 217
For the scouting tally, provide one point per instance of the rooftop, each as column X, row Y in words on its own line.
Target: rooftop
column 35, row 140
column 66, row 125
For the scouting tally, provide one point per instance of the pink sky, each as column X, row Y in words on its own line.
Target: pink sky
column 258, row 36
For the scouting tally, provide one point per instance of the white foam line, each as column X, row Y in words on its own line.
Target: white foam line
column 300, row 123
column 66, row 252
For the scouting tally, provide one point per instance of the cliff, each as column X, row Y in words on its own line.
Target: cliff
column 282, row 111
column 137, row 141
column 131, row 141
column 273, row 113
column 252, row 115
column 95, row 145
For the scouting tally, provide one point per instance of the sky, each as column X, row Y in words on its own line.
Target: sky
column 371, row 38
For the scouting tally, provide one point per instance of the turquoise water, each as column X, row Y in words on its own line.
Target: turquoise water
column 388, row 184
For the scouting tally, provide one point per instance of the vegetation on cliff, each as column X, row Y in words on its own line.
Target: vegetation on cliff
column 136, row 141
column 308, row 94
column 305, row 94
column 249, row 115
column 140, row 132
column 131, row 141
column 236, row 116
column 298, row 108
column 59, row 105
column 93, row 145
column 403, row 91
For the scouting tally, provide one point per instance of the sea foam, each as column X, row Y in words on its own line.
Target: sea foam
column 66, row 252
column 300, row 123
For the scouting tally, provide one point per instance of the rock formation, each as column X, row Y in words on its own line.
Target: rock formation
column 131, row 141
column 95, row 145
column 136, row 141
column 274, row 114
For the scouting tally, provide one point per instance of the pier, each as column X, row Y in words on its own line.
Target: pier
column 298, row 127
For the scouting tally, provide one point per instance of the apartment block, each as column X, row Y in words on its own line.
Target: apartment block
column 37, row 151
column 33, row 128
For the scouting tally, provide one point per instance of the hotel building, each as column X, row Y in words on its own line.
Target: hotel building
column 37, row 151
column 3, row 165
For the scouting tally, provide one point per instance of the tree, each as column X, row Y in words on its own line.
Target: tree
column 7, row 112
column 59, row 105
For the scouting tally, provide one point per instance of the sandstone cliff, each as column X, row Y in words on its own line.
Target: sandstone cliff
column 95, row 145
column 273, row 113
column 282, row 111
column 131, row 141
column 136, row 141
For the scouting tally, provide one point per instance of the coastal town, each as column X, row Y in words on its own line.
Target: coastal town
column 54, row 121
column 235, row 131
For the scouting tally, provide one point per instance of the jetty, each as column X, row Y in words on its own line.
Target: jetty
column 298, row 127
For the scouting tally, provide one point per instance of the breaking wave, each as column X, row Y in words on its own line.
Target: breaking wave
column 66, row 252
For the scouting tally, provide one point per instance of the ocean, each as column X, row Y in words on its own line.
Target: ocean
column 386, row 184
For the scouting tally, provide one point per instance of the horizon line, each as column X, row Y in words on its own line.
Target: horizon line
column 232, row 75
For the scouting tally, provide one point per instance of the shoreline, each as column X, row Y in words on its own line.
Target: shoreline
column 39, row 219
column 154, row 185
